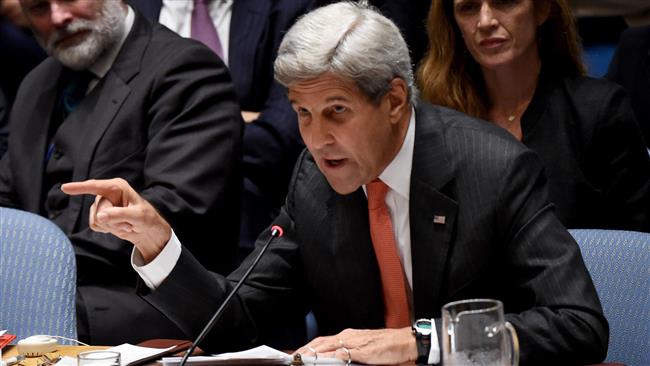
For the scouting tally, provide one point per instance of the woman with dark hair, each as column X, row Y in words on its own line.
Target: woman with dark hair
column 518, row 64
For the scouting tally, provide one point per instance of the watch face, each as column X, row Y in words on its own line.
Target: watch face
column 423, row 326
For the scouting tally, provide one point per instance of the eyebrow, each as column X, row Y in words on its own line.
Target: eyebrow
column 337, row 99
column 328, row 100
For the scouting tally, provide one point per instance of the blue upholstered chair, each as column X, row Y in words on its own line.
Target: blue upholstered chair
column 37, row 277
column 619, row 264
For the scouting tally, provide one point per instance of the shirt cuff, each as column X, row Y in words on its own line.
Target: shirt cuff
column 434, row 352
column 156, row 271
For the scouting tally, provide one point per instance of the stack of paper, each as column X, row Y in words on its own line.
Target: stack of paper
column 262, row 355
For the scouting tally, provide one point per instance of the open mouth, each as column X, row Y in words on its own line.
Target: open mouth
column 333, row 163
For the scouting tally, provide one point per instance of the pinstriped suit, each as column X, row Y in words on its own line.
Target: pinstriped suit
column 500, row 240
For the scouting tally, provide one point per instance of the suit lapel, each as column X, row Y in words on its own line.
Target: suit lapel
column 102, row 104
column 353, row 256
column 100, row 107
column 98, row 110
column 432, row 213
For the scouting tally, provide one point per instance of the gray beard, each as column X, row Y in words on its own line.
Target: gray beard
column 105, row 31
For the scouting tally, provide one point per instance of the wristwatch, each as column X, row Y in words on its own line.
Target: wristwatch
column 422, row 329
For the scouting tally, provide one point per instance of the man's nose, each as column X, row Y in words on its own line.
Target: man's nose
column 60, row 14
column 321, row 135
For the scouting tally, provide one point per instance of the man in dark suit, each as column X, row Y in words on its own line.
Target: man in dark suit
column 271, row 142
column 397, row 208
column 156, row 110
column 631, row 69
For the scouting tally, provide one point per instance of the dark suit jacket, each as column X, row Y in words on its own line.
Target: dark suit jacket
column 165, row 119
column 272, row 143
column 631, row 69
column 597, row 165
column 500, row 240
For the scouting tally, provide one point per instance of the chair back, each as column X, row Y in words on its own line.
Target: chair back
column 37, row 277
column 619, row 264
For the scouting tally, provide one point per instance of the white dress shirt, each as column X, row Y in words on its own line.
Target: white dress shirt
column 177, row 16
column 397, row 177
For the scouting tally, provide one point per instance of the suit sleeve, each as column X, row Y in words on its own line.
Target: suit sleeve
column 192, row 169
column 7, row 195
column 560, row 320
column 621, row 163
column 270, row 294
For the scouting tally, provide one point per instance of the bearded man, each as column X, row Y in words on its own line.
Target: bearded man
column 122, row 97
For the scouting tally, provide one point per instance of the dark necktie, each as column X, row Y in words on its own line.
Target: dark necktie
column 203, row 29
column 74, row 91
column 74, row 85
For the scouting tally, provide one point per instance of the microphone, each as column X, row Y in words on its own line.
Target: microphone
column 276, row 232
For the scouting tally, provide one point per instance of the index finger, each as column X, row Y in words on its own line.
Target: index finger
column 112, row 189
column 92, row 186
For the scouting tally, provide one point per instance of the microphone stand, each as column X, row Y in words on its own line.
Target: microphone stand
column 276, row 232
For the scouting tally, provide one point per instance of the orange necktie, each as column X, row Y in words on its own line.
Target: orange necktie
column 396, row 309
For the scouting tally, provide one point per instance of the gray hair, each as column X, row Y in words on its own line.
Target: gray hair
column 348, row 40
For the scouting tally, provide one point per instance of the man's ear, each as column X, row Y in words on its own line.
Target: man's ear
column 398, row 99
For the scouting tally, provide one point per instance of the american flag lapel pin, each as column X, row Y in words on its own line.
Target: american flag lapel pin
column 439, row 219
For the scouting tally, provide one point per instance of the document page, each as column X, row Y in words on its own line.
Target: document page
column 131, row 354
column 262, row 355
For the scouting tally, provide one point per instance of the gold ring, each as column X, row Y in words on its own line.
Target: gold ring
column 349, row 355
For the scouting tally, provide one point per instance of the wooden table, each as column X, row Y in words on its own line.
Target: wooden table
column 71, row 351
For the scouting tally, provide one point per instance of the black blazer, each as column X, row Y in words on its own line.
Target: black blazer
column 598, row 168
column 631, row 69
column 500, row 240
column 165, row 119
column 272, row 143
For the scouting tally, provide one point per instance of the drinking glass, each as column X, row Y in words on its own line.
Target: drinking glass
column 475, row 333
column 98, row 358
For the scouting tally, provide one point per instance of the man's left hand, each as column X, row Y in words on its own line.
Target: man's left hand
column 369, row 346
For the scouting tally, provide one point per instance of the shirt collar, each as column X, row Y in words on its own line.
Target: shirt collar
column 397, row 174
column 105, row 62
